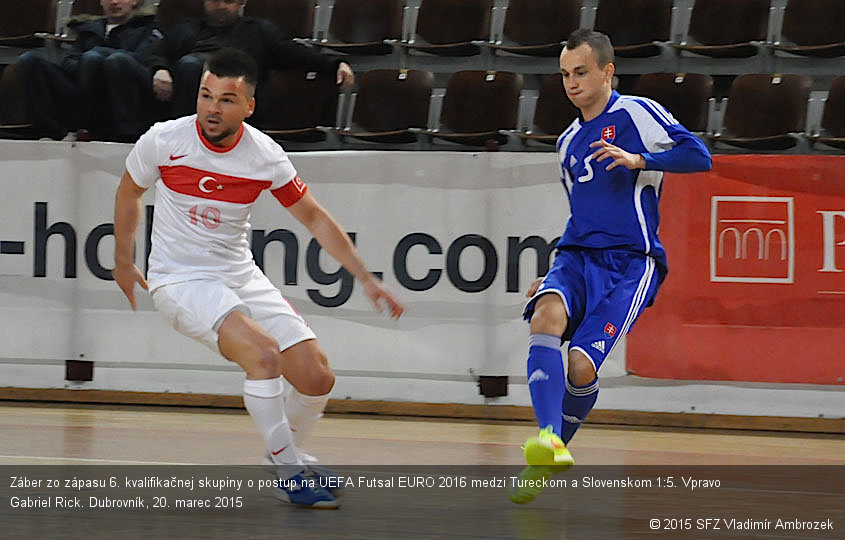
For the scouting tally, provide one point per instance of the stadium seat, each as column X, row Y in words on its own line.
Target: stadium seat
column 13, row 117
column 21, row 21
column 86, row 7
column 765, row 111
column 295, row 18
column 538, row 27
column 79, row 10
column 449, row 27
column 299, row 102
column 362, row 26
column 727, row 28
column 477, row 106
column 813, row 28
column 172, row 12
column 685, row 95
column 635, row 25
column 552, row 114
column 833, row 117
column 388, row 103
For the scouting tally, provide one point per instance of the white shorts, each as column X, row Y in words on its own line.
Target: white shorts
column 198, row 307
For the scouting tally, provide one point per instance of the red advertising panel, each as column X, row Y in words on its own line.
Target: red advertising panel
column 756, row 285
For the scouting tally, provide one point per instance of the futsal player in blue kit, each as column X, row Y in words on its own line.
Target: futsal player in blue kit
column 609, row 262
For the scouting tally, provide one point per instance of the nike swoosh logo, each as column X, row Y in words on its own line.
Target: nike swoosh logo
column 280, row 451
column 173, row 158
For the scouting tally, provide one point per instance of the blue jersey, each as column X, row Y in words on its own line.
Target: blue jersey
column 617, row 209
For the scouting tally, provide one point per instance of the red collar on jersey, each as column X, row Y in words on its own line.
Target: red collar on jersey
column 218, row 149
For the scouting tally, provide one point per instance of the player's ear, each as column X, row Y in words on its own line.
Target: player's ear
column 250, row 107
column 609, row 70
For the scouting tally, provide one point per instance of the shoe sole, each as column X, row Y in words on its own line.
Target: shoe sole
column 270, row 468
column 321, row 505
column 536, row 453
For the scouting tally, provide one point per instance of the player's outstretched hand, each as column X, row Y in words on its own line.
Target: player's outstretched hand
column 378, row 294
column 532, row 290
column 619, row 156
column 126, row 277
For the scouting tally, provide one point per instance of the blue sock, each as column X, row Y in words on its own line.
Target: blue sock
column 577, row 404
column 545, row 379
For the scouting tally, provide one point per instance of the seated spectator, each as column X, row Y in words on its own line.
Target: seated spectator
column 178, row 60
column 102, row 85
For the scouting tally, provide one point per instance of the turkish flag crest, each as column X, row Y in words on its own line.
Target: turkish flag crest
column 608, row 133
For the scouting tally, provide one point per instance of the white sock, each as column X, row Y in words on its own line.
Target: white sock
column 303, row 412
column 263, row 400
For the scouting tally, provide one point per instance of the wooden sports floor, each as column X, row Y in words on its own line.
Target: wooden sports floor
column 456, row 477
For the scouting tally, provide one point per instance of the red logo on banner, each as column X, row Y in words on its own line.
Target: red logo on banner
column 608, row 133
column 609, row 330
column 752, row 239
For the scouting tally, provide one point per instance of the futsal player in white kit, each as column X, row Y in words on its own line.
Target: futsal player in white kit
column 208, row 170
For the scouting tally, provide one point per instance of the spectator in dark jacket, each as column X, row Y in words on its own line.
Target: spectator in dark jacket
column 102, row 84
column 177, row 62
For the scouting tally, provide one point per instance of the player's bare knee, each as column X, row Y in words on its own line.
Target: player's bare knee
column 318, row 381
column 581, row 371
column 325, row 382
column 319, row 377
column 267, row 361
column 549, row 315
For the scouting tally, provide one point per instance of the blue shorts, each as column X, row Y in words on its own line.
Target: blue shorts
column 604, row 292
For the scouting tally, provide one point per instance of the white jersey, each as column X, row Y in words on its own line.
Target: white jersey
column 204, row 195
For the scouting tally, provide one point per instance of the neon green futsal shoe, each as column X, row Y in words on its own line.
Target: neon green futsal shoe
column 546, row 455
column 547, row 449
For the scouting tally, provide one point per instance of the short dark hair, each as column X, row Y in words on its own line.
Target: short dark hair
column 229, row 62
column 598, row 42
